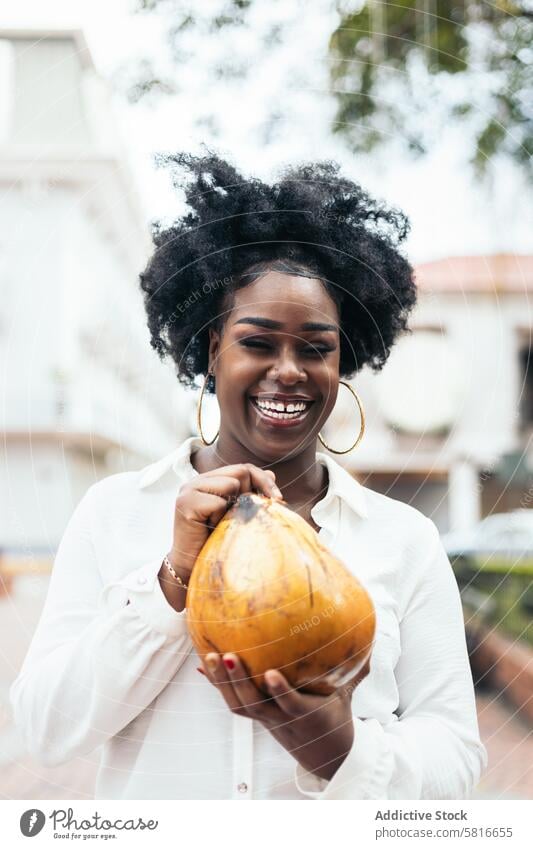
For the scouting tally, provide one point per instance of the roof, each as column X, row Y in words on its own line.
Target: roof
column 497, row 273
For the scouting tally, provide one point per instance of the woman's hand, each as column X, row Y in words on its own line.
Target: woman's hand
column 317, row 731
column 202, row 502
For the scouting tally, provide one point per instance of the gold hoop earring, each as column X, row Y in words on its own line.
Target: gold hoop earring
column 362, row 430
column 199, row 412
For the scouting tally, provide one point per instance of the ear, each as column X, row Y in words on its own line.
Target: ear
column 214, row 345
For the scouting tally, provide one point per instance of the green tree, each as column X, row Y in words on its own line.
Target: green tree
column 401, row 70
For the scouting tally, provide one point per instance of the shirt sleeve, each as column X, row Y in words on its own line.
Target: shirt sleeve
column 99, row 655
column 432, row 748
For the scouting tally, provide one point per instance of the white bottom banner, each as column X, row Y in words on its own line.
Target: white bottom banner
column 261, row 824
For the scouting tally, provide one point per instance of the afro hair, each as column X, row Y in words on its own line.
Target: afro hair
column 312, row 221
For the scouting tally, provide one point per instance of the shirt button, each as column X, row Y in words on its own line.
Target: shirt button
column 242, row 787
column 141, row 579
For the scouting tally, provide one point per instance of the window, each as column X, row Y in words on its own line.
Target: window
column 44, row 76
column 525, row 387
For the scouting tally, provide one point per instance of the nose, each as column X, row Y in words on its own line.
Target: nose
column 286, row 368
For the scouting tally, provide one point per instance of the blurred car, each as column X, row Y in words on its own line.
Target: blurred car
column 505, row 535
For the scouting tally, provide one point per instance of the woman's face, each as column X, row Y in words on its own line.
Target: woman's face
column 270, row 354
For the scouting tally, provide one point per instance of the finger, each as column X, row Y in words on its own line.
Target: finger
column 257, row 705
column 348, row 688
column 252, row 477
column 217, row 674
column 289, row 700
column 222, row 487
column 225, row 486
column 204, row 508
column 196, row 506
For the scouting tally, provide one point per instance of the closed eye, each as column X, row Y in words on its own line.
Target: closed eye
column 310, row 349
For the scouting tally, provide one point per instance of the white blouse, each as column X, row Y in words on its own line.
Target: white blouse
column 102, row 672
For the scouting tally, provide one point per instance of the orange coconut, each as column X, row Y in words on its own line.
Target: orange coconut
column 265, row 587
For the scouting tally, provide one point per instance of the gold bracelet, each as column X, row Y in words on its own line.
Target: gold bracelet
column 170, row 568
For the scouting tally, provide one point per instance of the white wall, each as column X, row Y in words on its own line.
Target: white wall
column 83, row 393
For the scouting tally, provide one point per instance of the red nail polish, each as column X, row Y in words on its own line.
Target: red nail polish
column 199, row 668
column 230, row 664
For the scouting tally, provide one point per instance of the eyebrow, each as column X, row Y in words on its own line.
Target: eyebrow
column 270, row 324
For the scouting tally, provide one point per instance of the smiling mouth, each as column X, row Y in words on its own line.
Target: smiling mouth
column 283, row 416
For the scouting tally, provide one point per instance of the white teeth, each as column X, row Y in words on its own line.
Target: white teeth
column 297, row 406
column 276, row 410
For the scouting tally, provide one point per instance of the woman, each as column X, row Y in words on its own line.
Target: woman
column 274, row 293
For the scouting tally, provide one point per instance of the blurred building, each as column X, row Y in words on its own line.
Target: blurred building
column 450, row 417
column 83, row 394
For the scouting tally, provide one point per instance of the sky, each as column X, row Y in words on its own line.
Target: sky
column 451, row 212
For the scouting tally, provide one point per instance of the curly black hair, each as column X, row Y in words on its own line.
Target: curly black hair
column 312, row 221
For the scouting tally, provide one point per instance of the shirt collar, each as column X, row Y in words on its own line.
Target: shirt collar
column 341, row 482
